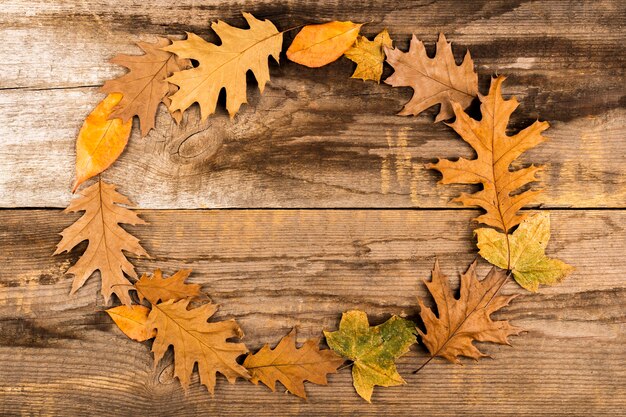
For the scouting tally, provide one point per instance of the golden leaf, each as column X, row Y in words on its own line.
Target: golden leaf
column 495, row 152
column 523, row 252
column 435, row 80
column 369, row 56
column 224, row 66
column 292, row 366
column 107, row 240
column 100, row 140
column 317, row 45
column 463, row 320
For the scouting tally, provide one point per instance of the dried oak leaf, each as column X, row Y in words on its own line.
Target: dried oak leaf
column 463, row 320
column 144, row 87
column 100, row 225
column 155, row 288
column 317, row 45
column 523, row 252
column 435, row 80
column 372, row 349
column 495, row 152
column 225, row 65
column 292, row 366
column 369, row 56
column 100, row 140
column 132, row 320
column 196, row 341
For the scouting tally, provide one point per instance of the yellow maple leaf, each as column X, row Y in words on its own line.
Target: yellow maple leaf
column 369, row 56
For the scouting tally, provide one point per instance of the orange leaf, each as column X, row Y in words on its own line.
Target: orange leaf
column 495, row 152
column 318, row 45
column 465, row 319
column 132, row 321
column 100, row 141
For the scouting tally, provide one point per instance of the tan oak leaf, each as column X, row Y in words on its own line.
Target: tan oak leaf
column 292, row 366
column 196, row 341
column 100, row 226
column 144, row 87
column 225, row 65
column 436, row 80
column 495, row 151
column 155, row 288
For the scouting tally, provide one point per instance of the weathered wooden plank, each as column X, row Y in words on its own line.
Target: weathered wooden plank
column 315, row 138
column 292, row 152
column 275, row 269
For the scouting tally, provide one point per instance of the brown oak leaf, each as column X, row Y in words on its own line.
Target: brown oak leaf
column 291, row 365
column 196, row 341
column 225, row 65
column 495, row 152
column 436, row 80
column 144, row 86
column 155, row 288
column 100, row 225
column 463, row 320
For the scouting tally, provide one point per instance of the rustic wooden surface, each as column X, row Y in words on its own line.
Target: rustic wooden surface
column 314, row 139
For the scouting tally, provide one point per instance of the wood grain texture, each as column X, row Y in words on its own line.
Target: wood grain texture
column 315, row 138
column 276, row 269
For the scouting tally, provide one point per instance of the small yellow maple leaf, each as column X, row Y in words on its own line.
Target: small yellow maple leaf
column 523, row 252
column 369, row 56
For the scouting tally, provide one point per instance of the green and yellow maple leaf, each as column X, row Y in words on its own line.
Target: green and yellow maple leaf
column 523, row 252
column 372, row 349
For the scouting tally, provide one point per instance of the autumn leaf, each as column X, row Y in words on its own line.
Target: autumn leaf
column 100, row 140
column 435, row 80
column 523, row 252
column 132, row 321
column 155, row 288
column 369, row 56
column 107, row 240
column 463, row 320
column 144, row 86
column 292, row 366
column 495, row 152
column 224, row 66
column 317, row 45
column 372, row 349
column 197, row 341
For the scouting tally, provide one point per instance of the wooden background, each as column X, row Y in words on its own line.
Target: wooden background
column 322, row 205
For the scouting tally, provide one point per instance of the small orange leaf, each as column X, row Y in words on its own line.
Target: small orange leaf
column 132, row 321
column 318, row 45
column 100, row 141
